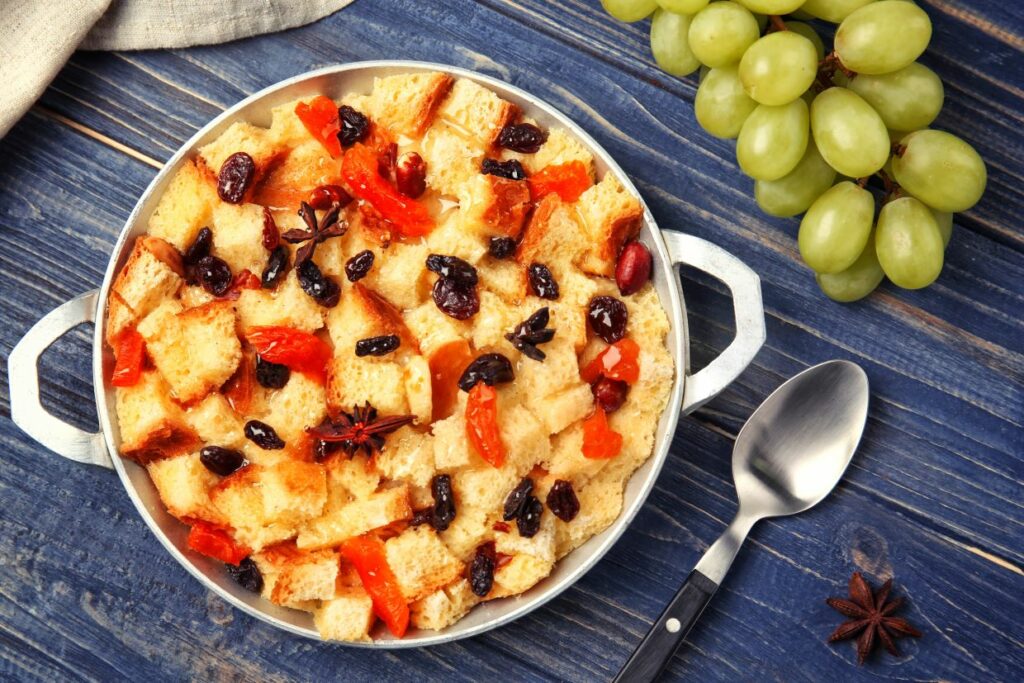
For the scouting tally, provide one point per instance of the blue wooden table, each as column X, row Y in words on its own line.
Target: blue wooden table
column 933, row 498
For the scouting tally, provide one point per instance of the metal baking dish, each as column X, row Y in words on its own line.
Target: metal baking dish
column 668, row 248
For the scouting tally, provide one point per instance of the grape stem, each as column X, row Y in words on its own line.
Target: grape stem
column 892, row 188
column 777, row 23
column 863, row 182
column 898, row 149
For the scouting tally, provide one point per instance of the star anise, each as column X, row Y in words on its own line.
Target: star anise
column 361, row 428
column 870, row 617
column 317, row 231
column 531, row 332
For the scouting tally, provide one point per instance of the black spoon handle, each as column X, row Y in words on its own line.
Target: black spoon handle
column 668, row 632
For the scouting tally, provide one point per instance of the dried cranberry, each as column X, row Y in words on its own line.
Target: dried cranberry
column 277, row 266
column 533, row 331
column 456, row 300
column 263, row 435
column 236, row 174
column 633, row 269
column 271, row 375
column 359, row 265
column 610, row 394
column 214, row 275
column 271, row 235
column 517, row 498
column 481, row 572
column 607, row 317
column 522, row 137
column 247, row 575
column 377, row 346
column 328, row 196
column 490, row 368
column 421, row 516
column 500, row 526
column 222, row 461
column 321, row 288
column 562, row 500
column 511, row 169
column 502, row 247
column 354, row 126
column 411, row 175
column 199, row 248
column 452, row 268
column 528, row 521
column 542, row 282
column 444, row 502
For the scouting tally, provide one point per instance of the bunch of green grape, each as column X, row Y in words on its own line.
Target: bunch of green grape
column 814, row 127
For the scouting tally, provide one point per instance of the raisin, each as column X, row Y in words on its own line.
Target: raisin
column 214, row 275
column 359, row 265
column 502, row 247
column 452, row 268
column 516, row 499
column 522, row 137
column 377, row 346
column 481, row 572
column 528, row 521
column 271, row 375
column 277, row 266
column 562, row 500
column 609, row 394
column 263, row 435
column 329, row 196
column 200, row 248
column 247, row 575
column 321, row 288
column 444, row 502
column 511, row 169
column 236, row 174
column 607, row 317
column 542, row 282
column 421, row 517
column 456, row 300
column 271, row 237
column 354, row 126
column 490, row 368
column 222, row 461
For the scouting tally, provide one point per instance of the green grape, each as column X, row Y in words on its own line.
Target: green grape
column 630, row 10
column 771, row 6
column 832, row 10
column 908, row 243
column 722, row 105
column 808, row 32
column 907, row 99
column 669, row 43
column 849, row 133
column 794, row 192
column 857, row 281
column 772, row 140
column 941, row 170
column 836, row 227
column 779, row 67
column 721, row 32
column 883, row 36
column 683, row 6
column 945, row 222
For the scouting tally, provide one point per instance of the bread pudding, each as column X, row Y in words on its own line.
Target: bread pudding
column 392, row 356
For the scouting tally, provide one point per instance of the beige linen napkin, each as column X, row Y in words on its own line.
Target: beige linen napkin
column 38, row 36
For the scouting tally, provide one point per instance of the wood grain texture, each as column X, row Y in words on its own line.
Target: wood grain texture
column 933, row 497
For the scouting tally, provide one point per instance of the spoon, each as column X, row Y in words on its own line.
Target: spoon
column 789, row 455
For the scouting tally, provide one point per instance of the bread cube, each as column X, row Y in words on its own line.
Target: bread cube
column 184, row 484
column 215, row 422
column 432, row 328
column 443, row 607
column 295, row 174
column 484, row 487
column 151, row 425
column 451, row 237
column 477, row 111
column 419, row 389
column 553, row 236
column 238, row 237
column 493, row 205
column 520, row 574
column 347, row 616
column 353, row 381
column 541, row 545
column 472, row 526
column 451, row 158
column 566, row 460
column 196, row 350
column 553, row 389
column 401, row 276
column 353, row 475
column 507, row 279
column 364, row 313
column 611, row 217
column 287, row 306
column 451, row 449
column 185, row 207
column 569, row 312
column 119, row 318
column 406, row 103
column 286, row 128
column 293, row 491
column 242, row 137
column 600, row 504
column 151, row 276
column 407, row 456
column 358, row 517
column 193, row 296
column 301, row 403
column 420, row 562
column 560, row 148
column 239, row 499
column 524, row 435
column 300, row 582
column 494, row 319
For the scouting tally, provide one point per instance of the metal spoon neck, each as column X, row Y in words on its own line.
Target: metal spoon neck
column 719, row 557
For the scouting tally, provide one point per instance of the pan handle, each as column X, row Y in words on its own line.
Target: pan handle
column 23, row 377
column 745, row 285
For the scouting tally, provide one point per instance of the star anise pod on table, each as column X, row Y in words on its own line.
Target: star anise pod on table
column 362, row 428
column 870, row 618
column 317, row 231
column 533, row 331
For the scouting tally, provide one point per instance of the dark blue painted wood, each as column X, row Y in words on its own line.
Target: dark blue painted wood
column 934, row 497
